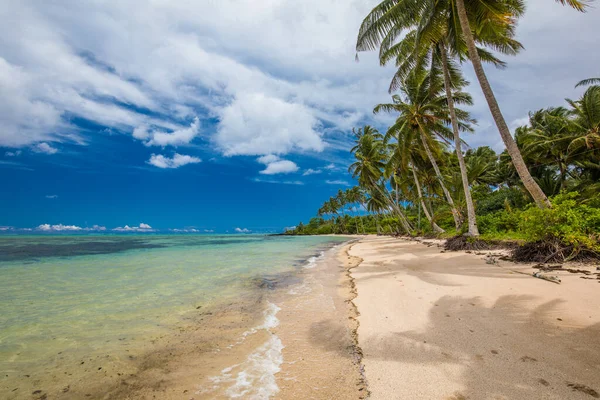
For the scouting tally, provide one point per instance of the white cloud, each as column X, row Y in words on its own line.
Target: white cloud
column 13, row 153
column 286, row 182
column 201, row 58
column 178, row 160
column 95, row 228
column 159, row 138
column 185, row 230
column 58, row 228
column 6, row 228
column 330, row 166
column 337, row 182
column 311, row 171
column 275, row 165
column 44, row 148
column 141, row 228
column 257, row 124
column 52, row 196
column 209, row 230
column 242, row 230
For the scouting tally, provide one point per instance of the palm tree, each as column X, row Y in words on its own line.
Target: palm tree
column 586, row 112
column 437, row 39
column 511, row 14
column 370, row 154
column 495, row 17
column 424, row 114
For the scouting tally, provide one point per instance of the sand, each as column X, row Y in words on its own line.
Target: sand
column 449, row 325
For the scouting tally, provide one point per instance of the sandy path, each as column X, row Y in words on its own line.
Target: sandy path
column 449, row 326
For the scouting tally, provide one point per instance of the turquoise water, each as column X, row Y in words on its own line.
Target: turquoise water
column 77, row 293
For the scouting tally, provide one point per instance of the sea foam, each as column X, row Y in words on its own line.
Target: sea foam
column 255, row 377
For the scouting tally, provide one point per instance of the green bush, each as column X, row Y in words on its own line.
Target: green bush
column 501, row 199
column 499, row 222
column 572, row 223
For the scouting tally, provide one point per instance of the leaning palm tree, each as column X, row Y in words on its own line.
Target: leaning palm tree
column 496, row 17
column 423, row 114
column 370, row 155
column 436, row 39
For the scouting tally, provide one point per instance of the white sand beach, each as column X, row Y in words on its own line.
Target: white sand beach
column 448, row 325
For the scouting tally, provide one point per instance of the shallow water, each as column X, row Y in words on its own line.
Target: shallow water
column 71, row 297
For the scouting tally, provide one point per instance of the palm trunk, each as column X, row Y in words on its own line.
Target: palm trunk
column 438, row 174
column 362, row 223
column 472, row 219
column 395, row 207
column 435, row 226
column 511, row 146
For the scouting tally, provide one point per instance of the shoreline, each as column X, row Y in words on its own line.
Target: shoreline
column 458, row 325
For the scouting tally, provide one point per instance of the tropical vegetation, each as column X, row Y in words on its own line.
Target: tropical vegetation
column 419, row 176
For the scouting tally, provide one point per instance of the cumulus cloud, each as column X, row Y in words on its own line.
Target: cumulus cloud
column 141, row 228
column 311, row 171
column 44, row 148
column 59, row 227
column 242, row 230
column 160, row 138
column 178, row 160
column 185, row 230
column 275, row 165
column 104, row 62
column 13, row 153
column 257, row 124
column 52, row 196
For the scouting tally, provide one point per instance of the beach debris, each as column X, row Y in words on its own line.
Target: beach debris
column 578, row 387
column 548, row 278
column 490, row 259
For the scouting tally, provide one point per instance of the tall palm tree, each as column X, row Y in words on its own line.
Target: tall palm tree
column 439, row 40
column 586, row 112
column 495, row 17
column 370, row 154
column 423, row 113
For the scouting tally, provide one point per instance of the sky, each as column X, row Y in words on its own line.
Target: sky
column 218, row 116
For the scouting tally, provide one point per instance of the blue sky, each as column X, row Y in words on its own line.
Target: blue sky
column 217, row 115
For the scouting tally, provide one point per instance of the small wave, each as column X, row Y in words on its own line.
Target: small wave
column 255, row 377
column 312, row 261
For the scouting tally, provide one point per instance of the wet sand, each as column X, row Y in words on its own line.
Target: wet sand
column 437, row 325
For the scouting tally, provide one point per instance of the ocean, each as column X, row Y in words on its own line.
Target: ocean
column 87, row 316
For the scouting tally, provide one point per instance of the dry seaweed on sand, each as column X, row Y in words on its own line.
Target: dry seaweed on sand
column 552, row 251
column 462, row 242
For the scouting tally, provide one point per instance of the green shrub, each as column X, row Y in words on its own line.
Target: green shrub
column 499, row 222
column 571, row 223
column 500, row 199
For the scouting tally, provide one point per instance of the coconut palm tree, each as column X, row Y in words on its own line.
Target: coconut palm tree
column 437, row 39
column 423, row 113
column 370, row 154
column 495, row 17
column 586, row 112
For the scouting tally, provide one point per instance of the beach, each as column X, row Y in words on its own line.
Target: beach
column 457, row 325
column 345, row 317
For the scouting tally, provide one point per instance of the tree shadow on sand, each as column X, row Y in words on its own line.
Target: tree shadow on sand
column 504, row 351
